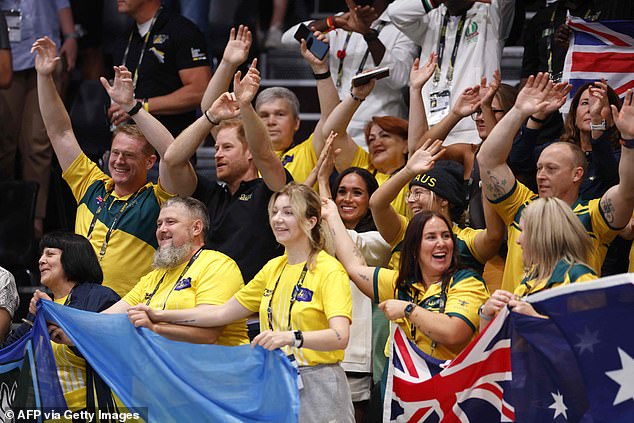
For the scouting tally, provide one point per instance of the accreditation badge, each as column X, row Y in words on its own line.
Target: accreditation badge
column 14, row 24
column 439, row 103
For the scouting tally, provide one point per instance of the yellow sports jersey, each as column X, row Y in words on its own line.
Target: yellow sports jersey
column 510, row 209
column 362, row 160
column 131, row 220
column 564, row 274
column 324, row 294
column 299, row 160
column 213, row 278
column 465, row 294
column 465, row 238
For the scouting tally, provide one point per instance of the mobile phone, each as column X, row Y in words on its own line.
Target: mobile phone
column 364, row 78
column 318, row 48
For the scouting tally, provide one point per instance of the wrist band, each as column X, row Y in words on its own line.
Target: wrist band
column 330, row 21
column 71, row 35
column 628, row 143
column 137, row 106
column 481, row 313
column 355, row 98
column 534, row 119
column 215, row 123
column 320, row 76
column 146, row 104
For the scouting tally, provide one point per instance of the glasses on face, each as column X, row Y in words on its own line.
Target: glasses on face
column 478, row 112
column 414, row 195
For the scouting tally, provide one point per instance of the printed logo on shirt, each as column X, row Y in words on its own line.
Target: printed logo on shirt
column 245, row 197
column 288, row 158
column 305, row 295
column 197, row 54
column 99, row 200
column 267, row 292
column 183, row 284
column 160, row 56
column 160, row 38
column 463, row 303
column 471, row 32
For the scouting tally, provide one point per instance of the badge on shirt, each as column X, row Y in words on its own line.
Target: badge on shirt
column 438, row 106
column 197, row 54
column 183, row 284
column 160, row 56
column 245, row 197
column 14, row 24
column 288, row 158
column 305, row 295
column 160, row 38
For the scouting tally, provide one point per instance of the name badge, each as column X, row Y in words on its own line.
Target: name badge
column 300, row 382
column 439, row 103
column 14, row 24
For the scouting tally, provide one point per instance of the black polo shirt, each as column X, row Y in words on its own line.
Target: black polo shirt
column 240, row 223
column 175, row 43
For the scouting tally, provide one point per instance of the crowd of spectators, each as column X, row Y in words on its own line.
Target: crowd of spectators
column 413, row 199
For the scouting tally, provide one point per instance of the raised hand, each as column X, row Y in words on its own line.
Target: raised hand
column 488, row 92
column 425, row 157
column 624, row 119
column 246, row 89
column 362, row 91
column 326, row 162
column 555, row 98
column 122, row 89
column 46, row 57
column 468, row 102
column 419, row 75
column 225, row 107
column 328, row 208
column 358, row 18
column 318, row 66
column 237, row 49
column 535, row 96
column 599, row 104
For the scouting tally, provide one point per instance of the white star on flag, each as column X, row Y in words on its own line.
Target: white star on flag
column 624, row 377
column 559, row 406
column 587, row 341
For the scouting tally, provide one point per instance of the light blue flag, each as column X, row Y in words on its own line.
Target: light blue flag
column 169, row 381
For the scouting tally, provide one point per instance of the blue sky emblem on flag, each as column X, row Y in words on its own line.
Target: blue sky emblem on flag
column 287, row 159
column 183, row 284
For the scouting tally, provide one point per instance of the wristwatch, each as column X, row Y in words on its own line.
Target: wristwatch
column 409, row 308
column 299, row 339
column 598, row 127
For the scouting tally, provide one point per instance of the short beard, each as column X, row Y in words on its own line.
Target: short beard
column 170, row 256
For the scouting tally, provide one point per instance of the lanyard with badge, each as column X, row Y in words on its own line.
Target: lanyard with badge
column 13, row 17
column 149, row 297
column 145, row 41
column 439, row 100
column 127, row 205
column 269, row 313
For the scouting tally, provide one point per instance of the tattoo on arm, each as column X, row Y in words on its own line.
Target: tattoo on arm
column 608, row 209
column 338, row 335
column 177, row 322
column 364, row 277
column 495, row 187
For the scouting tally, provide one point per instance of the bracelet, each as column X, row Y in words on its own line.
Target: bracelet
column 133, row 111
column 355, row 98
column 146, row 104
column 323, row 75
column 628, row 143
column 481, row 313
column 534, row 119
column 599, row 126
column 330, row 22
column 371, row 36
column 213, row 122
column 72, row 35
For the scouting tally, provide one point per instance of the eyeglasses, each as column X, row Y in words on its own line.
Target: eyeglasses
column 475, row 114
column 414, row 195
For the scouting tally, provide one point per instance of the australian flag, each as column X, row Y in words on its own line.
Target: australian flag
column 602, row 49
column 576, row 366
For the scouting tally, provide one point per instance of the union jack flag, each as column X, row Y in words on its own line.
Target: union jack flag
column 470, row 388
column 602, row 49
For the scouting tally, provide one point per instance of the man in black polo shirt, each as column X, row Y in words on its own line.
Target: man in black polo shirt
column 167, row 57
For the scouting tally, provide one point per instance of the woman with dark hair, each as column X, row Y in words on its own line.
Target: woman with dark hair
column 433, row 300
column 352, row 191
column 70, row 269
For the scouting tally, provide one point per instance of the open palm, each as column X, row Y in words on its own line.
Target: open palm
column 225, row 107
column 122, row 89
column 237, row 49
column 46, row 57
column 246, row 89
column 419, row 75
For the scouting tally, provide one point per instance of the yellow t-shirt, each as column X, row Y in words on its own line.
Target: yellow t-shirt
column 324, row 294
column 362, row 160
column 213, row 279
column 465, row 294
column 299, row 160
column 132, row 242
column 510, row 209
column 564, row 274
column 465, row 237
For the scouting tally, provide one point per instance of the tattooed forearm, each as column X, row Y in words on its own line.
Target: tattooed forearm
column 338, row 335
column 608, row 209
column 364, row 277
column 180, row 322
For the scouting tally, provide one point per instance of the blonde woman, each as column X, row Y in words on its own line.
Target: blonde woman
column 554, row 247
column 304, row 302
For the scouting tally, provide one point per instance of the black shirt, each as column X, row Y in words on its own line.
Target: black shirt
column 240, row 223
column 174, row 44
column 4, row 34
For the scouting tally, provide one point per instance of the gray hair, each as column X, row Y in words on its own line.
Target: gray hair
column 196, row 208
column 273, row 93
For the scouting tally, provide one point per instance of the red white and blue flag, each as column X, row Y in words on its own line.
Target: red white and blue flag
column 575, row 367
column 602, row 49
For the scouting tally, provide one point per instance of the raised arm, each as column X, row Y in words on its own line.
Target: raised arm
column 385, row 217
column 54, row 115
column 487, row 242
column 236, row 52
column 346, row 250
column 258, row 139
column 323, row 168
column 539, row 93
column 487, row 93
column 417, row 126
column 618, row 202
